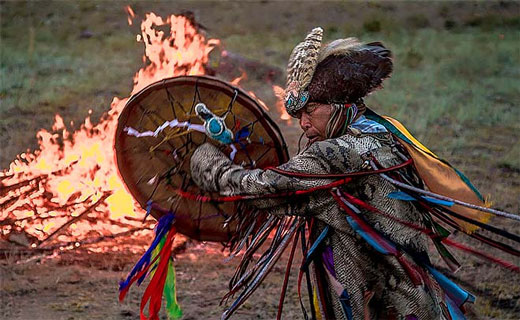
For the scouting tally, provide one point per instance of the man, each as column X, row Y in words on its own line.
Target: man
column 354, row 278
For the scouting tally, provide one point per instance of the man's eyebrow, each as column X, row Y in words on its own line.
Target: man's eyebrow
column 311, row 106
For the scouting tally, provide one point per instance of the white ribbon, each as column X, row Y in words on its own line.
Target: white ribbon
column 172, row 124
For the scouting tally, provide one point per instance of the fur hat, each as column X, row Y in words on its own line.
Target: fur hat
column 345, row 71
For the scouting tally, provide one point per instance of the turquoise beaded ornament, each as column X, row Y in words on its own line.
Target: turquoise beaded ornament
column 293, row 103
column 215, row 126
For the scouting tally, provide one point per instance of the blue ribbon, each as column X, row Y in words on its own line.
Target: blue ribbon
column 400, row 195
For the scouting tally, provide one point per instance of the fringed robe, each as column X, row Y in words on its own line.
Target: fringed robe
column 377, row 284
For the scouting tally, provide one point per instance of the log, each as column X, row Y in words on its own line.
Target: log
column 64, row 226
column 21, row 184
column 98, row 239
column 12, row 200
column 7, row 176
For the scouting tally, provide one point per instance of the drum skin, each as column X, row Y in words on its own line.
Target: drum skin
column 154, row 167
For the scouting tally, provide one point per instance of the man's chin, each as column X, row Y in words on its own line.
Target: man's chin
column 314, row 139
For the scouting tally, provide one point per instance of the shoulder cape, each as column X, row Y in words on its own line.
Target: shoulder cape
column 438, row 175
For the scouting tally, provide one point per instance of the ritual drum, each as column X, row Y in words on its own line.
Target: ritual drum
column 163, row 124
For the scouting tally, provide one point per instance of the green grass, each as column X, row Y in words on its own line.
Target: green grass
column 49, row 66
column 452, row 85
column 457, row 80
column 463, row 76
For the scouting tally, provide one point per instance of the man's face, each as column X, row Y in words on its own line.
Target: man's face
column 313, row 120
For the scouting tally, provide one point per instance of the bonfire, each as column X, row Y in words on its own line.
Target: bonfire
column 68, row 192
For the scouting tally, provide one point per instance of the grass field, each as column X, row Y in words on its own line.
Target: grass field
column 66, row 57
column 456, row 81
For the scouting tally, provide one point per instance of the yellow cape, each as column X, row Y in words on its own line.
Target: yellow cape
column 442, row 179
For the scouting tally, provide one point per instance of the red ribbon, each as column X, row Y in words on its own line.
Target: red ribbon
column 154, row 291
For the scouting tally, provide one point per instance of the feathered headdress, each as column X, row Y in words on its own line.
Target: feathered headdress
column 342, row 71
column 302, row 63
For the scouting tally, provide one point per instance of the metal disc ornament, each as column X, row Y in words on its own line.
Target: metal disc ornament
column 163, row 124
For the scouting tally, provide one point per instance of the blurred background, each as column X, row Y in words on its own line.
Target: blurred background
column 455, row 85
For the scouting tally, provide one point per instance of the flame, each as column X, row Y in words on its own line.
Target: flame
column 72, row 171
column 279, row 93
column 131, row 14
column 184, row 52
column 243, row 77
column 70, row 186
column 260, row 102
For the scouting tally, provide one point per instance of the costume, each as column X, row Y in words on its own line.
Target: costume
column 364, row 203
column 357, row 267
column 368, row 245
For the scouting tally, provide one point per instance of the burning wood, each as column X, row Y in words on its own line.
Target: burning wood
column 76, row 218
column 19, row 185
column 9, row 202
column 56, row 249
column 70, row 188
column 56, row 205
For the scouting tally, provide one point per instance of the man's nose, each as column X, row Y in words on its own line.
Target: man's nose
column 304, row 121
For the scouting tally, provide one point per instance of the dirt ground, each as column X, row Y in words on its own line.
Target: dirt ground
column 83, row 283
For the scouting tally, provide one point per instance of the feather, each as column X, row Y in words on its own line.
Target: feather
column 348, row 70
column 286, row 278
column 154, row 291
column 291, row 228
column 142, row 266
column 454, row 312
column 439, row 176
column 339, row 47
column 400, row 195
column 156, row 262
column 456, row 293
column 304, row 58
column 173, row 310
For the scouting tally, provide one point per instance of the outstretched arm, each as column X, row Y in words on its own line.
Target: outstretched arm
column 213, row 171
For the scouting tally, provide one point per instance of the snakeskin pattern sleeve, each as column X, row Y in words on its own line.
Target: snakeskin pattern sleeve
column 360, row 269
column 214, row 172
